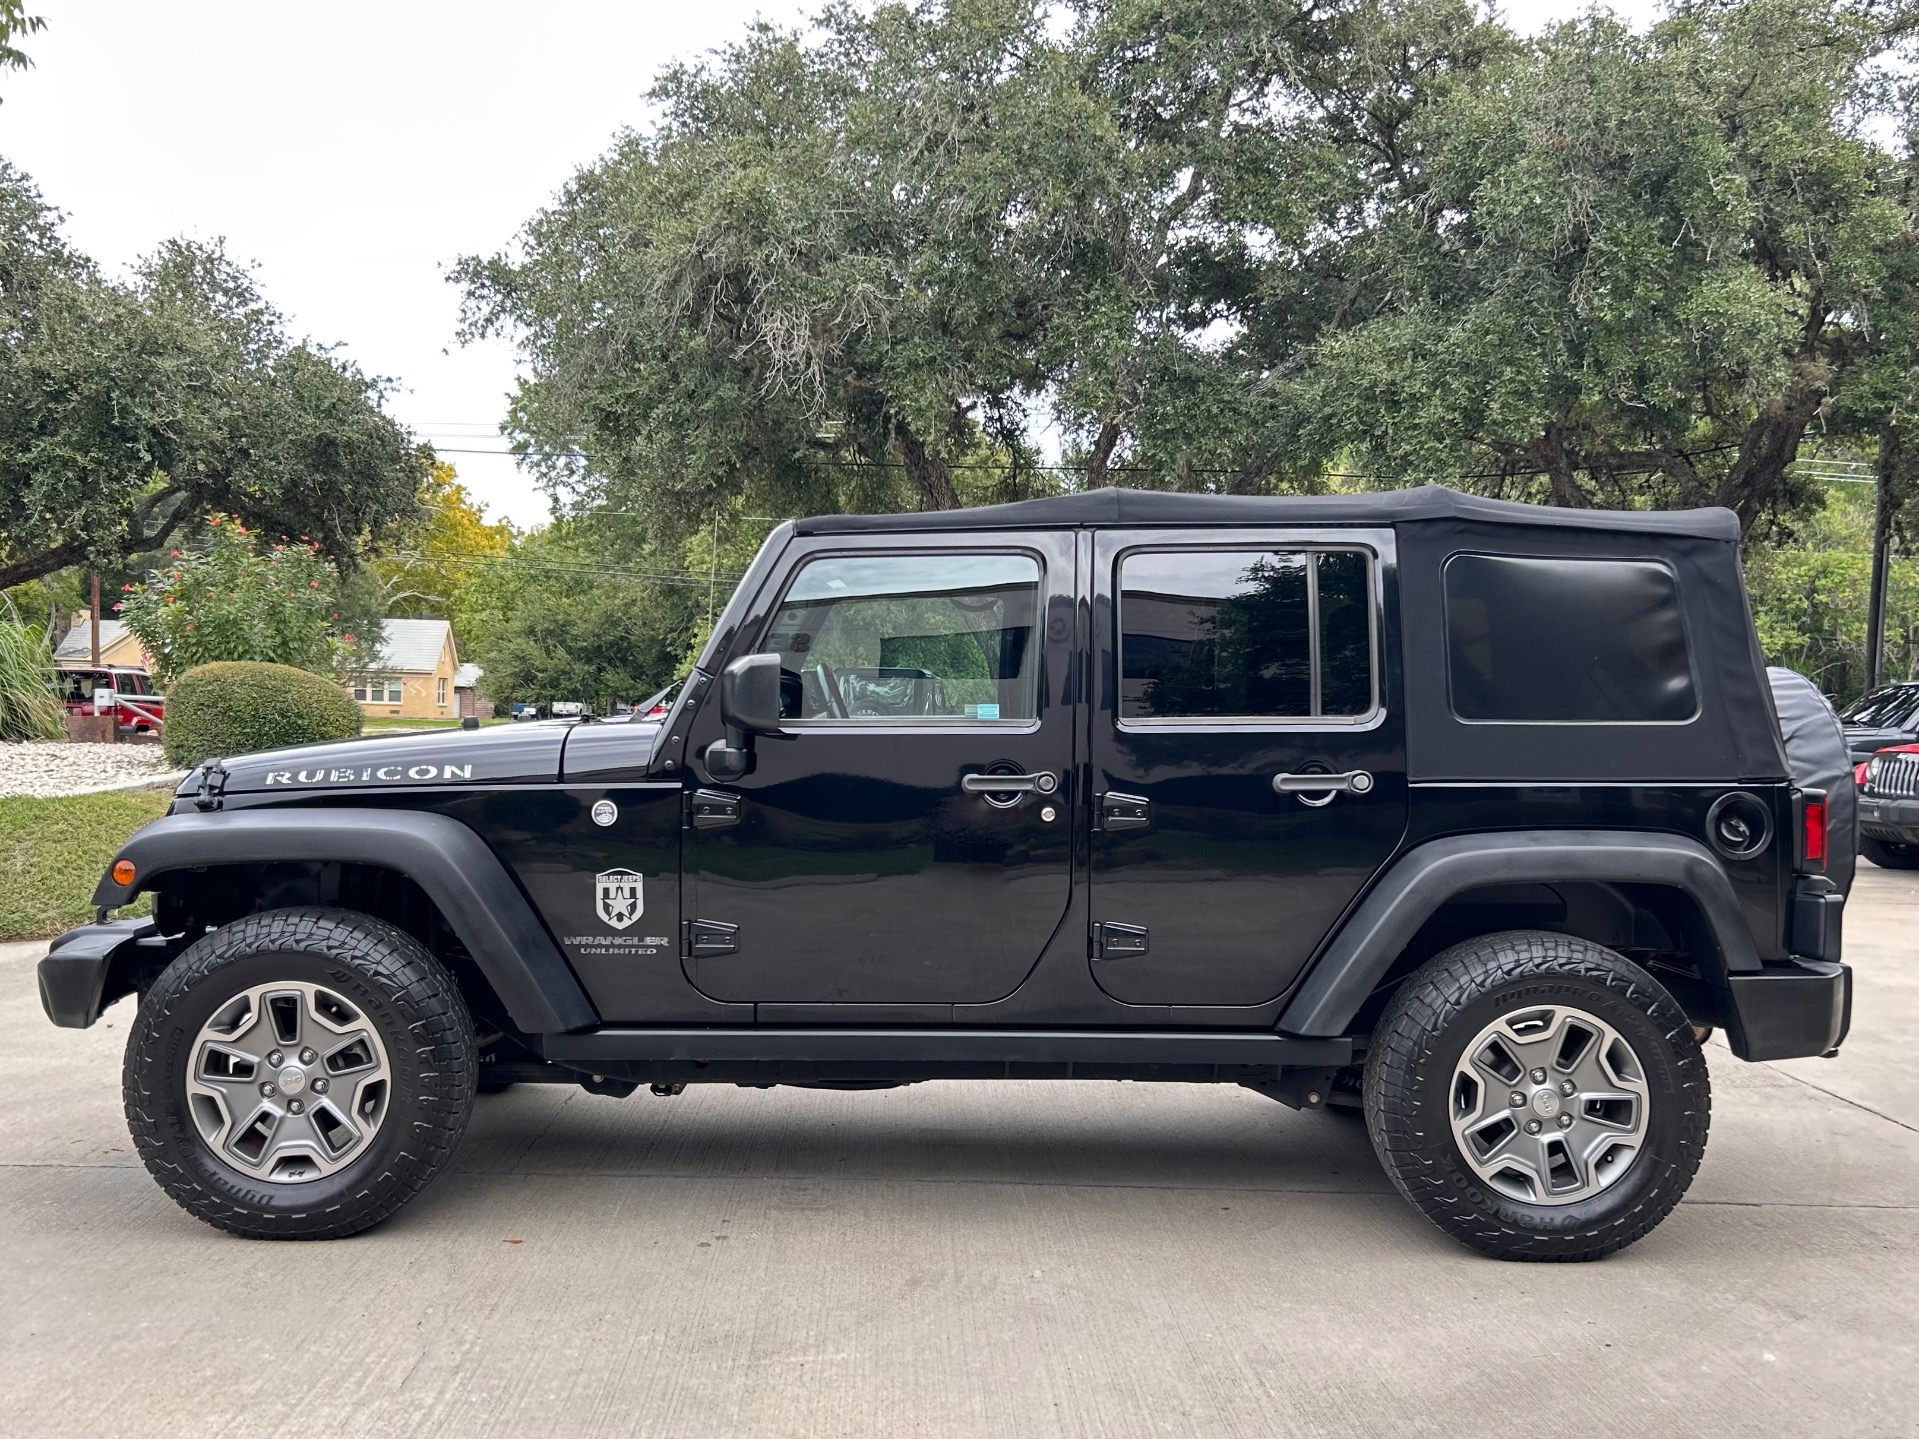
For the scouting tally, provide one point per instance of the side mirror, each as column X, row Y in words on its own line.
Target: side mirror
column 749, row 705
column 750, row 694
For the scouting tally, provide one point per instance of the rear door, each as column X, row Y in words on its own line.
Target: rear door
column 906, row 839
column 1248, row 768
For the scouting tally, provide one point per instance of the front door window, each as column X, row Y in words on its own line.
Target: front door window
column 891, row 639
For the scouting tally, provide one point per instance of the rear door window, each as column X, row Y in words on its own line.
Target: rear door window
column 1533, row 640
column 1245, row 634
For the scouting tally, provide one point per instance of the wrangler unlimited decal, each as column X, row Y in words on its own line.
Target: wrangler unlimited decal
column 367, row 774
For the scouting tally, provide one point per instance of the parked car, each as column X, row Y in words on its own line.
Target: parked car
column 1469, row 814
column 124, row 691
column 1889, row 808
column 1888, row 716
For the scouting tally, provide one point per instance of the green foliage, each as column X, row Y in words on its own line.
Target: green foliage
column 128, row 410
column 589, row 609
column 1221, row 244
column 425, row 566
column 242, row 706
column 28, row 706
column 1630, row 269
column 1809, row 598
column 14, row 20
column 235, row 597
column 53, row 851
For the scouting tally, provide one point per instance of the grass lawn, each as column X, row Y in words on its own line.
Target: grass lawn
column 53, row 850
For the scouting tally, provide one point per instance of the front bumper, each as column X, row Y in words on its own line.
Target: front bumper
column 90, row 967
column 1889, row 819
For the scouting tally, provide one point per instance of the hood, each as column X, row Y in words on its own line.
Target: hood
column 498, row 754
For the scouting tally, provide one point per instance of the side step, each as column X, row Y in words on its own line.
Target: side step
column 774, row 1055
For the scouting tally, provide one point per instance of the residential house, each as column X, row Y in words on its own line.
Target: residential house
column 117, row 644
column 416, row 671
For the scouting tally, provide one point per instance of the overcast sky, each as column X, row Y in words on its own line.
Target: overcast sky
column 351, row 150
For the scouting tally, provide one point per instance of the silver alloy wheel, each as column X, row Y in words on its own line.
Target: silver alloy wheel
column 1549, row 1105
column 289, row 1082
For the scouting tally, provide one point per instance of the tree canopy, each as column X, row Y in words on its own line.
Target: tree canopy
column 130, row 409
column 891, row 259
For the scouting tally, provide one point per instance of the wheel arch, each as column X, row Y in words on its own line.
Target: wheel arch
column 430, row 857
column 1606, row 886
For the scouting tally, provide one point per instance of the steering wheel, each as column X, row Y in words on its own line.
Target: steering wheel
column 830, row 686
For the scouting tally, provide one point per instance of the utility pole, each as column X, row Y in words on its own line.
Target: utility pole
column 96, row 619
column 1889, row 458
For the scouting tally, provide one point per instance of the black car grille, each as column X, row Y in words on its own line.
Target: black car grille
column 1896, row 776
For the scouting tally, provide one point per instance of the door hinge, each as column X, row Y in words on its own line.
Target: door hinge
column 713, row 808
column 701, row 937
column 1120, row 941
column 1124, row 811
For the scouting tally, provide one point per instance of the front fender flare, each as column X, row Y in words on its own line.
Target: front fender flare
column 1357, row 957
column 452, row 864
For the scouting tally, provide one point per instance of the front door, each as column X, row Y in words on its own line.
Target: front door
column 1248, row 768
column 907, row 838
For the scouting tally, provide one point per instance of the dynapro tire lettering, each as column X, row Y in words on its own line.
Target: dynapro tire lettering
column 371, row 774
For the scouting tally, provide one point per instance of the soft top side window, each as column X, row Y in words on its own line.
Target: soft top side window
column 1566, row 640
column 1246, row 634
column 885, row 639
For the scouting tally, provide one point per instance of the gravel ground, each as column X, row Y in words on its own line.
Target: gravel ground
column 42, row 768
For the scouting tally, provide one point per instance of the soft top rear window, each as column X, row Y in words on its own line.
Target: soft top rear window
column 1535, row 640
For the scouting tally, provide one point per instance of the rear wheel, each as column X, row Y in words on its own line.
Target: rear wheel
column 1889, row 854
column 1537, row 1096
column 299, row 1074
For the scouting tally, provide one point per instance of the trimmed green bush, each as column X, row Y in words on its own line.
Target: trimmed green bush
column 239, row 706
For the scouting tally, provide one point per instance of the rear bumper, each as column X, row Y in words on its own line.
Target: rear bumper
column 1793, row 1010
column 1890, row 819
column 76, row 974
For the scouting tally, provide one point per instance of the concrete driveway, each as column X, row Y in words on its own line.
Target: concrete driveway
column 969, row 1259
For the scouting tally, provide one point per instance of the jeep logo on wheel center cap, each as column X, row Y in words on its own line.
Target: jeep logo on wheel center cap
column 1545, row 1104
column 292, row 1079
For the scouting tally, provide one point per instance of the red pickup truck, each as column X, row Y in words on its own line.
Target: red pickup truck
column 120, row 690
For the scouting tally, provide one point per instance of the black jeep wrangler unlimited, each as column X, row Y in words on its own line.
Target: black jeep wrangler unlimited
column 1470, row 814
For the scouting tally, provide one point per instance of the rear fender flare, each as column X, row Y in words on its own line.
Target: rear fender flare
column 1359, row 954
column 478, row 898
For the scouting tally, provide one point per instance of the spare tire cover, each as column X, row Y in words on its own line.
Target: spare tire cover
column 1816, row 755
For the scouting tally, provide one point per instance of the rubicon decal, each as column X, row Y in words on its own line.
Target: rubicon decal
column 371, row 774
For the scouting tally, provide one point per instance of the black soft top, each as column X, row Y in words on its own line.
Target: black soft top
column 1386, row 507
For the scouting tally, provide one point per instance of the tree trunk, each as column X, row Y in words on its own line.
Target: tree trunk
column 928, row 472
column 33, row 567
column 1553, row 458
column 1098, row 476
column 1767, row 450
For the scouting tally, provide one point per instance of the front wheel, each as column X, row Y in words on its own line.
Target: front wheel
column 1889, row 854
column 299, row 1074
column 1537, row 1096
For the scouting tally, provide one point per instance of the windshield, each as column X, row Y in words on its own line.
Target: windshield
column 1888, row 708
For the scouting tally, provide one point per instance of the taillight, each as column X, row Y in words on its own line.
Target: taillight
column 1812, row 831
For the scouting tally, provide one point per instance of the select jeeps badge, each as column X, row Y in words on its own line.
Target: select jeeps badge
column 619, row 897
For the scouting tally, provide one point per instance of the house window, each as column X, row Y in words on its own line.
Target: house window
column 443, row 692
column 378, row 692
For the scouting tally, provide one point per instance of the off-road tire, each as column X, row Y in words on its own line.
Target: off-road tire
column 1889, row 854
column 1423, row 1034
column 402, row 990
